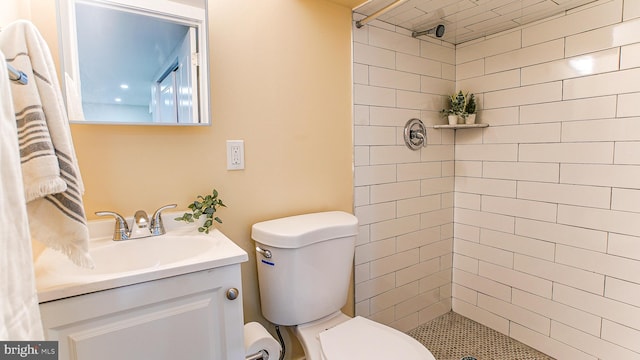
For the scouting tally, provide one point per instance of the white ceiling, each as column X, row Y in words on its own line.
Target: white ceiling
column 467, row 20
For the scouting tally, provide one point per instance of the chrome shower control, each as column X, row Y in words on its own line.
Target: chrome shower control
column 415, row 134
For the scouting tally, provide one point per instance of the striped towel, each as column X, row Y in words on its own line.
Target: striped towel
column 52, row 182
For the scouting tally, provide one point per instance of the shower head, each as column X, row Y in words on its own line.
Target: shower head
column 438, row 30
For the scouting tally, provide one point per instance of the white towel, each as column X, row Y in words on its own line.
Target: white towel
column 51, row 176
column 18, row 297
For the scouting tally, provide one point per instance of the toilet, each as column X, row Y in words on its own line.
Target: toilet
column 304, row 266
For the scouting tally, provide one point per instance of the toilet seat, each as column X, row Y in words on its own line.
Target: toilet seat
column 361, row 338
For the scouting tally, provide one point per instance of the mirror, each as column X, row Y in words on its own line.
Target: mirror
column 139, row 62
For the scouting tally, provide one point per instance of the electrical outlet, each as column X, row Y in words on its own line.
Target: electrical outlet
column 235, row 154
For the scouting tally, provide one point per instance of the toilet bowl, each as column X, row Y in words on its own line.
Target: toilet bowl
column 304, row 267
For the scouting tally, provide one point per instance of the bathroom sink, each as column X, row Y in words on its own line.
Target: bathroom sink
column 120, row 263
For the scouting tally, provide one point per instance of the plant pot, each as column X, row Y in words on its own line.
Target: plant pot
column 471, row 119
column 453, row 119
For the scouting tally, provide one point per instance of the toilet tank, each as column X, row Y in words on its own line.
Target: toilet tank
column 307, row 276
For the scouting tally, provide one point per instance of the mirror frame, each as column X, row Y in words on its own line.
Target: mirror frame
column 162, row 9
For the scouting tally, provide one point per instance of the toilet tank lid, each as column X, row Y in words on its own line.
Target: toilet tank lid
column 302, row 230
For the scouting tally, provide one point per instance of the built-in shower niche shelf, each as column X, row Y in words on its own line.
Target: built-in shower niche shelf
column 460, row 126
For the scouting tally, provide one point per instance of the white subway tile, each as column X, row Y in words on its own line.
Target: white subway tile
column 394, row 227
column 486, row 220
column 501, row 116
column 361, row 115
column 375, row 213
column 392, row 155
column 524, row 95
column 491, row 82
column 497, row 45
column 385, row 317
column 571, row 276
column 481, row 186
column 419, row 171
column 599, row 219
column 593, row 196
column 628, row 104
column 624, row 291
column 362, row 308
column 621, row 336
column 588, row 153
column 432, row 85
column 482, row 316
column 417, row 271
column 516, row 279
column 372, row 95
column 419, row 101
column 623, row 176
column 613, row 310
column 470, row 69
column 562, row 234
column 625, row 199
column 627, row 153
column 518, row 244
column 436, row 249
column 631, row 10
column 626, row 129
column 601, row 263
column 518, row 134
column 363, row 236
column 483, row 252
column 388, row 116
column 449, row 72
column 415, row 304
column 465, row 294
column 361, row 155
column 467, row 201
column 530, row 55
column 603, row 38
column 591, row 344
column 435, row 281
column 545, row 172
column 554, row 348
column 418, row 65
column 440, row 308
column 360, row 74
column 515, row 314
column 469, row 137
column 466, row 232
column 602, row 84
column 417, row 205
column 393, row 263
column 489, row 152
column 374, row 250
column 436, row 186
column 437, row 153
column 361, row 196
column 630, row 56
column 520, row 208
column 482, row 284
column 445, row 54
column 574, row 23
column 393, row 41
column 568, row 315
column 369, row 175
column 580, row 109
column 465, row 263
column 393, row 79
column 624, row 245
column 417, row 238
column 394, row 191
column 368, row 289
column 375, row 56
column 588, row 64
column 437, row 217
column 468, row 168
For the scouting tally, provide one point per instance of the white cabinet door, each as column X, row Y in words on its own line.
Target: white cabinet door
column 182, row 317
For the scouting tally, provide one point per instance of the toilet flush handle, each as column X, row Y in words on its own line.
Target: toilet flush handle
column 265, row 253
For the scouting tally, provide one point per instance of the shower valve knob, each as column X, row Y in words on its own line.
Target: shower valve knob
column 233, row 294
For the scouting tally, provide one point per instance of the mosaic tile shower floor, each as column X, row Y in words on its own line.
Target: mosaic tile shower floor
column 452, row 337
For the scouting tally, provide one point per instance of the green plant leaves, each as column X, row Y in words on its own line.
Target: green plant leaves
column 204, row 205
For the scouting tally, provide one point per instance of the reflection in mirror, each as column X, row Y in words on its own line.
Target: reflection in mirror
column 135, row 61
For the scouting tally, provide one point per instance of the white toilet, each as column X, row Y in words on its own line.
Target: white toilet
column 304, row 265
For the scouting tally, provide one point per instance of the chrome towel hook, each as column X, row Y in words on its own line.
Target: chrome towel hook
column 415, row 134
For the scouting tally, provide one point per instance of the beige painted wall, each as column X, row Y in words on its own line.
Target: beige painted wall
column 281, row 81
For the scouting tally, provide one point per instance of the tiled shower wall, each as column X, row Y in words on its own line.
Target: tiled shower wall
column 403, row 198
column 547, row 199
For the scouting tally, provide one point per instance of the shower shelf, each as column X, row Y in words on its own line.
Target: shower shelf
column 460, row 126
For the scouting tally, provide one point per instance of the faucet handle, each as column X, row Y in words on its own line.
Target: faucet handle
column 157, row 226
column 121, row 230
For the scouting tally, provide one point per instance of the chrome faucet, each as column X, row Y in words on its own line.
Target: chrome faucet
column 140, row 227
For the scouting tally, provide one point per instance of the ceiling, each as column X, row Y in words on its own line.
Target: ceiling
column 467, row 20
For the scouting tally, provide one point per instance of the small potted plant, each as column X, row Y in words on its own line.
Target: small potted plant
column 456, row 110
column 470, row 109
column 204, row 205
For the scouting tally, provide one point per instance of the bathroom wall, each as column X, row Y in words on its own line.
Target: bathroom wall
column 547, row 199
column 403, row 198
column 281, row 81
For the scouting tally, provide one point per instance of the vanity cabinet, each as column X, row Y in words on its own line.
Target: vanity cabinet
column 192, row 316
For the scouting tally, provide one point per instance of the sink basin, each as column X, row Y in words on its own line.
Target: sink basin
column 121, row 263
